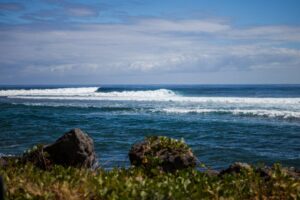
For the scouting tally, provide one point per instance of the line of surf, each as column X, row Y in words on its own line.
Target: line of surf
column 286, row 114
column 82, row 91
column 92, row 93
column 209, row 100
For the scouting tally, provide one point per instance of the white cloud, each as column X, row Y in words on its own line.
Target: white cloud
column 196, row 26
column 148, row 46
column 275, row 33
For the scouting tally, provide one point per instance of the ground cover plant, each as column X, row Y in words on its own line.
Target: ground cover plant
column 30, row 180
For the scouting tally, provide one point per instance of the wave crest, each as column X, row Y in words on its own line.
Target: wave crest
column 82, row 91
column 164, row 95
column 255, row 112
column 88, row 93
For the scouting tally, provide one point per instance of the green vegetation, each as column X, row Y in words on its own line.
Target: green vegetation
column 157, row 151
column 30, row 182
column 162, row 142
column 34, row 176
column 37, row 156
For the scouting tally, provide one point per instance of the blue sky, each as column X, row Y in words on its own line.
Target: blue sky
column 149, row 42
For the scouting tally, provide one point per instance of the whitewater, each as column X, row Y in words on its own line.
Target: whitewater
column 265, row 107
column 222, row 123
column 92, row 93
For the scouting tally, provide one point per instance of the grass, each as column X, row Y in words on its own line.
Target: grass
column 30, row 182
column 35, row 177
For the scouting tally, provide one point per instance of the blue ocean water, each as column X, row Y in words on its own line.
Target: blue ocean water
column 222, row 123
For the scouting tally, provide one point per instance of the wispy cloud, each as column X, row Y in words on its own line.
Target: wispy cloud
column 62, row 11
column 81, row 11
column 154, row 46
column 185, row 26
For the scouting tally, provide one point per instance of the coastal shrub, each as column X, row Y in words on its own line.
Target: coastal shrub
column 162, row 153
column 30, row 182
column 37, row 156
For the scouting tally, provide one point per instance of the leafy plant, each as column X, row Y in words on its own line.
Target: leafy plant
column 162, row 153
column 30, row 182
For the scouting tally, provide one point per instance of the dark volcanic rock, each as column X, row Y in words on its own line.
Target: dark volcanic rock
column 236, row 167
column 138, row 153
column 264, row 172
column 163, row 153
column 74, row 148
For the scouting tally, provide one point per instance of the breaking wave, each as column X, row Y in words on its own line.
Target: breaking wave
column 93, row 93
column 87, row 93
column 171, row 102
column 84, row 91
column 255, row 112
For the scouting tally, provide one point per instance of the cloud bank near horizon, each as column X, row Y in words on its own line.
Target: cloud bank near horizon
column 145, row 50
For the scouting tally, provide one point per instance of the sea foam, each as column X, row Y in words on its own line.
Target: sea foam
column 163, row 95
column 254, row 112
column 82, row 91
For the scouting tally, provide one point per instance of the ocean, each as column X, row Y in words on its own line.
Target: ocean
column 221, row 123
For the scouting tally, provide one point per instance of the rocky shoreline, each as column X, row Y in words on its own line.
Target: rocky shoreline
column 76, row 149
column 154, row 155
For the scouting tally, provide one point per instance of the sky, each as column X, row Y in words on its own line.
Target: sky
column 149, row 42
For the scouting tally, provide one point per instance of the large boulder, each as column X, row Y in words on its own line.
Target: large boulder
column 161, row 152
column 74, row 148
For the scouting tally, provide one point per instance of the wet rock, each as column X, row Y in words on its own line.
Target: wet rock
column 161, row 152
column 74, row 148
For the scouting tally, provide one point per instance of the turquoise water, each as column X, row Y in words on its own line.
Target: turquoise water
column 222, row 123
